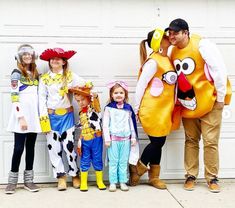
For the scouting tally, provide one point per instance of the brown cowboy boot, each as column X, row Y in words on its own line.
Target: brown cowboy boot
column 62, row 184
column 154, row 177
column 136, row 171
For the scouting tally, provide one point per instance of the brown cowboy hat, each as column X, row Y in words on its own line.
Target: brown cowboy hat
column 85, row 91
column 56, row 52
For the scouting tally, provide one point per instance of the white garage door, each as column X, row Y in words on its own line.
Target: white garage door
column 106, row 34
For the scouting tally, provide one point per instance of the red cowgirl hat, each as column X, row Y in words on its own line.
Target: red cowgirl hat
column 56, row 52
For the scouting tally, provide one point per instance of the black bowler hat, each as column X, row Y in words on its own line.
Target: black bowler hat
column 177, row 25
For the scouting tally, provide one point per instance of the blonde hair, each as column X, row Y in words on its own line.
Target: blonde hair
column 111, row 90
column 65, row 71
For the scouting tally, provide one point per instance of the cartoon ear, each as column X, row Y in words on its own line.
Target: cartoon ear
column 207, row 73
column 157, row 87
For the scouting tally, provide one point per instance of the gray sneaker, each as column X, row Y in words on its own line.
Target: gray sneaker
column 10, row 189
column 124, row 187
column 112, row 187
column 31, row 187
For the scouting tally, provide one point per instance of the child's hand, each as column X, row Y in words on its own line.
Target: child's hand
column 137, row 118
column 133, row 142
column 79, row 151
column 108, row 143
column 94, row 94
column 79, row 147
column 23, row 123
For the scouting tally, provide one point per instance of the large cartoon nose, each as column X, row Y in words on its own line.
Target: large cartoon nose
column 183, row 83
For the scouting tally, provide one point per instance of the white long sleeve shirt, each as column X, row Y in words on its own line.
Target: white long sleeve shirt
column 148, row 71
column 216, row 66
column 51, row 94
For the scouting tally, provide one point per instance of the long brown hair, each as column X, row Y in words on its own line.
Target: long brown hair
column 112, row 90
column 32, row 66
column 143, row 51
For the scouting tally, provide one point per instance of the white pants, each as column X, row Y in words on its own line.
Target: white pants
column 56, row 144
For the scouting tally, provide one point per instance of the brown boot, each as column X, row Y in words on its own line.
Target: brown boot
column 62, row 185
column 136, row 171
column 154, row 180
column 76, row 182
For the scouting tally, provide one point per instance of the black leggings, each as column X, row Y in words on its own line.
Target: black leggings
column 28, row 140
column 153, row 151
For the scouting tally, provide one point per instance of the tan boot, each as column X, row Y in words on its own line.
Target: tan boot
column 76, row 182
column 136, row 171
column 62, row 185
column 154, row 177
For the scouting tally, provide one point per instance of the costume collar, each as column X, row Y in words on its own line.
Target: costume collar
column 128, row 107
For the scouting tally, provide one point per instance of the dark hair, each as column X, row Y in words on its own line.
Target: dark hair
column 112, row 90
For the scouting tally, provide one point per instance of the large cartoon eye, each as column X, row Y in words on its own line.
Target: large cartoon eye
column 188, row 66
column 177, row 64
column 170, row 77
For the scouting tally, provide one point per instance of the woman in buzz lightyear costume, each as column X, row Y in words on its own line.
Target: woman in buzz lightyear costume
column 24, row 119
column 56, row 113
column 154, row 105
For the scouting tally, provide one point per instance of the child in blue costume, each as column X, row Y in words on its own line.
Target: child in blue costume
column 120, row 132
column 90, row 144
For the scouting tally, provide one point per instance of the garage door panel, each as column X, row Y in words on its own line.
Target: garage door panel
column 225, row 11
column 229, row 113
column 80, row 18
column 120, row 56
column 6, row 110
column 7, row 60
column 31, row 22
column 226, row 153
column 227, row 49
column 130, row 20
column 188, row 11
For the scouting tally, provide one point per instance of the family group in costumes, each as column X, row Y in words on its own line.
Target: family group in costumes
column 191, row 84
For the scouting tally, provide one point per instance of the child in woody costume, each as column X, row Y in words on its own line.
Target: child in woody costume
column 120, row 134
column 24, row 119
column 154, row 105
column 56, row 113
column 90, row 144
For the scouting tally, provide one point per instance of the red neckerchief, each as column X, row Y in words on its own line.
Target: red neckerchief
column 85, row 109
